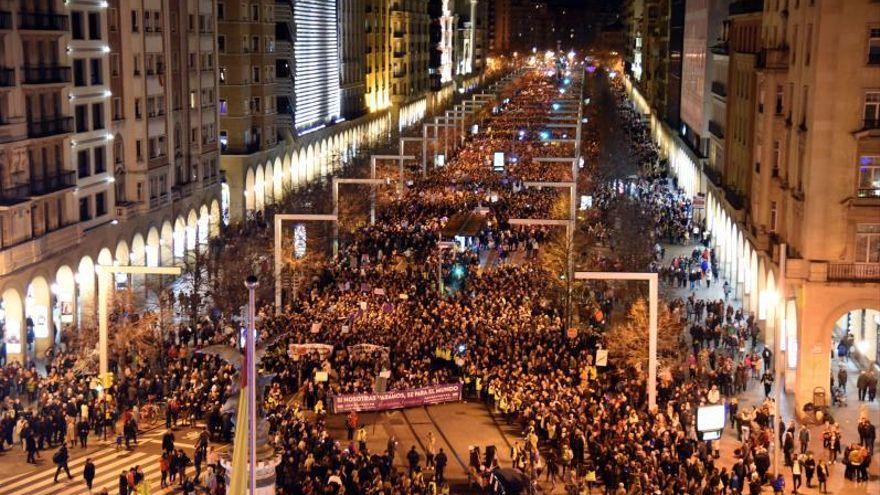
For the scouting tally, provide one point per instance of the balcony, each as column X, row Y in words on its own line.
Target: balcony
column 181, row 191
column 54, row 183
column 46, row 74
column 7, row 77
column 283, row 47
column 863, row 272
column 746, row 7
column 719, row 88
column 773, row 58
column 14, row 194
column 283, row 12
column 51, row 127
column 5, row 20
column 242, row 150
column 43, row 21
column 716, row 129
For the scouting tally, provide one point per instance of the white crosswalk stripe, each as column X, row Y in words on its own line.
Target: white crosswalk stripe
column 109, row 463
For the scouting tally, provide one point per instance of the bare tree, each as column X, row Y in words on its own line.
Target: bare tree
column 627, row 341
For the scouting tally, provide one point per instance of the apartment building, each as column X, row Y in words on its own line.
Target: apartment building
column 408, row 26
column 352, row 57
column 795, row 214
column 85, row 135
column 817, row 189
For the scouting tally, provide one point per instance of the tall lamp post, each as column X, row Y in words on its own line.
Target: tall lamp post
column 251, row 283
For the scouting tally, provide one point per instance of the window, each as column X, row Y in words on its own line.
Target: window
column 83, row 165
column 136, row 64
column 221, row 43
column 224, row 140
column 117, row 108
column 76, row 25
column 112, row 23
column 101, row 204
column 114, row 64
column 868, row 243
column 874, row 47
column 95, row 70
column 94, row 26
column 223, row 107
column 774, row 216
column 97, row 116
column 79, row 72
column 779, row 95
column 134, row 21
column 255, row 12
column 256, row 73
column 221, row 11
column 222, row 75
column 81, row 116
column 255, row 44
column 137, row 108
column 192, row 99
column 139, row 150
column 84, row 210
column 100, row 159
column 869, row 176
column 872, row 110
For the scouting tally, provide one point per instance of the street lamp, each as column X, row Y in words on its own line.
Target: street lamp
column 251, row 283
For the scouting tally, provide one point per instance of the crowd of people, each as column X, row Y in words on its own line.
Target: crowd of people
column 377, row 311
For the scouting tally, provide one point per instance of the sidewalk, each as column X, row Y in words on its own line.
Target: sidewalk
column 847, row 417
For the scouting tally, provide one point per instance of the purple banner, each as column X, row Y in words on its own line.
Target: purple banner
column 397, row 399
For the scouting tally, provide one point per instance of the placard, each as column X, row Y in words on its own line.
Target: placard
column 602, row 357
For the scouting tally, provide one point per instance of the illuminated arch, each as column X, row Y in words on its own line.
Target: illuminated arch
column 166, row 244
column 38, row 307
column 216, row 216
column 122, row 254
column 85, row 281
column 249, row 187
column 203, row 232
column 192, row 227
column 15, row 338
column 259, row 189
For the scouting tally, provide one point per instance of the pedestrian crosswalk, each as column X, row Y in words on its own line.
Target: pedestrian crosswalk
column 109, row 464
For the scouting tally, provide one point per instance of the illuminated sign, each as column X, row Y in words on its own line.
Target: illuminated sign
column 710, row 418
column 498, row 161
column 299, row 240
column 316, row 56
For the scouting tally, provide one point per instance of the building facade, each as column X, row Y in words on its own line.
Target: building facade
column 90, row 132
column 802, row 249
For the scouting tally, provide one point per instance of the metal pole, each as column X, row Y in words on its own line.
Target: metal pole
column 103, row 302
column 424, row 150
column 251, row 284
column 777, row 365
column 652, row 342
column 336, row 214
column 278, row 239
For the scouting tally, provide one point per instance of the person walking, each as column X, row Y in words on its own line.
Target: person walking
column 164, row 466
column 168, row 442
column 767, row 380
column 30, row 445
column 413, row 458
column 89, row 473
column 810, row 469
column 440, row 463
column 822, row 476
column 796, row 473
column 804, row 438
column 841, row 378
column 60, row 459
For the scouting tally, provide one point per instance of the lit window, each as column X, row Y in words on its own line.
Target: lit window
column 872, row 110
column 868, row 243
column 192, row 99
column 869, row 176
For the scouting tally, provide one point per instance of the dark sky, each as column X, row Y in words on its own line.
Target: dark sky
column 601, row 5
